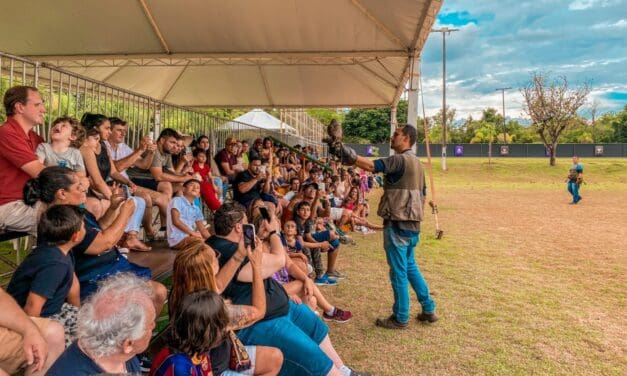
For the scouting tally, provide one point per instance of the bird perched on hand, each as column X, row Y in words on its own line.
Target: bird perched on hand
column 334, row 130
column 343, row 153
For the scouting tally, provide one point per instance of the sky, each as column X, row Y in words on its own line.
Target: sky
column 500, row 43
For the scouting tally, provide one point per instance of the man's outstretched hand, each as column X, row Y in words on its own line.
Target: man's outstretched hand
column 345, row 154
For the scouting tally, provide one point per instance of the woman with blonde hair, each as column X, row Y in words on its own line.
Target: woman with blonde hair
column 194, row 269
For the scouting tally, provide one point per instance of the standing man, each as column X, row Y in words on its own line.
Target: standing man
column 25, row 110
column 401, row 208
column 575, row 178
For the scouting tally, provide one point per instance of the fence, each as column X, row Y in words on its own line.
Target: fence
column 67, row 93
column 510, row 150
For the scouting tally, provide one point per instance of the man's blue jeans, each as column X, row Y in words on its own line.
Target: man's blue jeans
column 573, row 188
column 298, row 335
column 399, row 248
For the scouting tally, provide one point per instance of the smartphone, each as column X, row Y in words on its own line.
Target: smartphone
column 249, row 235
column 126, row 191
column 151, row 135
column 188, row 150
column 264, row 213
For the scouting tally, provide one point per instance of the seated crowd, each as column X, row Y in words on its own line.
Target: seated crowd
column 237, row 305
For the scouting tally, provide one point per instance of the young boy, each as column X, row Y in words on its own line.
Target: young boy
column 66, row 137
column 184, row 216
column 45, row 284
column 305, row 228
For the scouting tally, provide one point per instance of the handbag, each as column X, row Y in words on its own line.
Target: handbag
column 239, row 360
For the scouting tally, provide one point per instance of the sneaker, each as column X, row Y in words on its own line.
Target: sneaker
column 339, row 315
column 429, row 317
column 346, row 240
column 325, row 281
column 357, row 373
column 390, row 323
column 145, row 362
column 336, row 274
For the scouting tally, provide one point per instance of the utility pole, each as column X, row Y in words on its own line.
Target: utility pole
column 444, row 31
column 502, row 89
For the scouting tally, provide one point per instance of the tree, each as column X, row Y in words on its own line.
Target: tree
column 619, row 125
column 372, row 124
column 325, row 115
column 551, row 105
column 435, row 132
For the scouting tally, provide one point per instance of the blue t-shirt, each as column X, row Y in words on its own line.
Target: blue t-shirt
column 47, row 272
column 87, row 265
column 76, row 363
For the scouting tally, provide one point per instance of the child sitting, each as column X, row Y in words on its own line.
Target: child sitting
column 183, row 216
column 44, row 284
column 306, row 235
column 295, row 280
column 207, row 186
column 294, row 248
column 66, row 136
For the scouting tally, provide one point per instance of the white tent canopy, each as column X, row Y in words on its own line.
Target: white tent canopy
column 258, row 118
column 216, row 53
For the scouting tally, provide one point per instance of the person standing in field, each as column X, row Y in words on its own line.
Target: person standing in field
column 401, row 208
column 575, row 178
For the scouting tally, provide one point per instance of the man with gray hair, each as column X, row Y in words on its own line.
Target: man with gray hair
column 114, row 325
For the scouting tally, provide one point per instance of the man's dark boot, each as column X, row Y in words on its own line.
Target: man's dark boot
column 390, row 323
column 428, row 317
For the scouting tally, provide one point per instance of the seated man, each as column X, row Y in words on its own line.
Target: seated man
column 156, row 177
column 227, row 160
column 30, row 344
column 252, row 184
column 293, row 328
column 139, row 159
column 18, row 162
column 114, row 325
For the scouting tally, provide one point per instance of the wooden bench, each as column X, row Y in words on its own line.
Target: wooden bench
column 159, row 260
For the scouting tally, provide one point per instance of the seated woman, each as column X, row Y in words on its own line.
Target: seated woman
column 194, row 269
column 96, row 257
column 101, row 170
column 358, row 219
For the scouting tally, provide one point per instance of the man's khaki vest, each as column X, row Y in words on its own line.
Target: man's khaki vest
column 403, row 200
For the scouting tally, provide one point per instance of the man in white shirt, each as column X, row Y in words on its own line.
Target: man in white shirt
column 141, row 158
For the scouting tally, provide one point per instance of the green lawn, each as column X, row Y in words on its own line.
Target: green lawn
column 524, row 282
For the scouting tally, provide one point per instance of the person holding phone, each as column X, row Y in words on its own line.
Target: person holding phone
column 293, row 328
column 253, row 184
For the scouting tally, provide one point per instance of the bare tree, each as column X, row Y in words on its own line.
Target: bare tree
column 551, row 105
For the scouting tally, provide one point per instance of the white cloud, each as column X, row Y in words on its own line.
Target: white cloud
column 586, row 4
column 620, row 24
column 517, row 38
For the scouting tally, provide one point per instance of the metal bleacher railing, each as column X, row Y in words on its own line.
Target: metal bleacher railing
column 67, row 93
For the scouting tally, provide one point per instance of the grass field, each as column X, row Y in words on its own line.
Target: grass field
column 524, row 282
